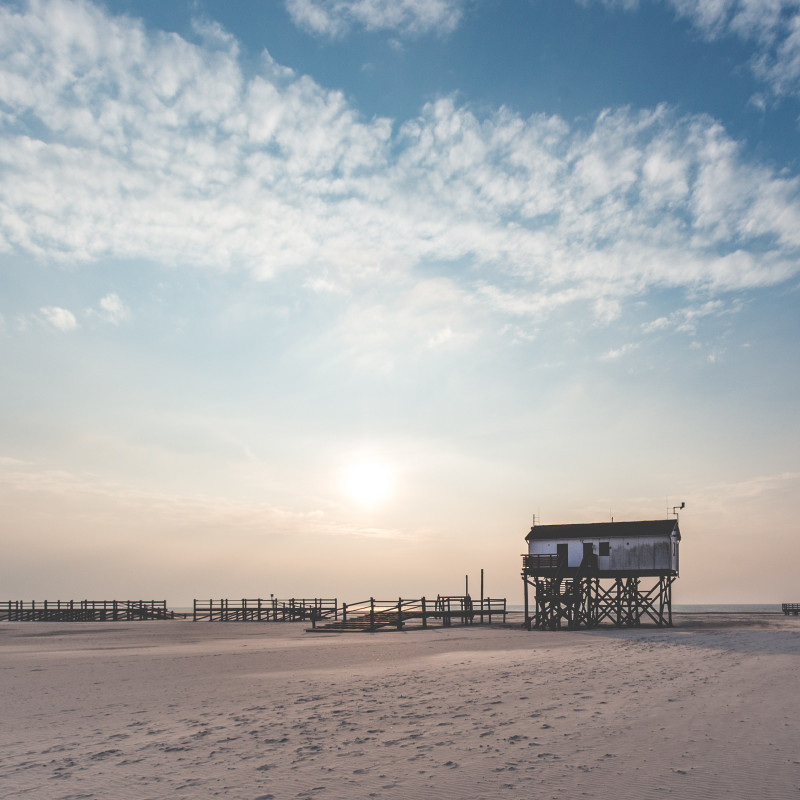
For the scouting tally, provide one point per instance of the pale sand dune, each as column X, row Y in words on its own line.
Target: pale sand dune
column 708, row 709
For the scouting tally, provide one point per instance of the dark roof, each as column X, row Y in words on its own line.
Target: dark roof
column 604, row 530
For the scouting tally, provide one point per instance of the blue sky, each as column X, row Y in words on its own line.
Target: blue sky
column 328, row 298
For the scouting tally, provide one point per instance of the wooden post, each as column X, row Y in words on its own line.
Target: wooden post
column 490, row 610
column 525, row 588
column 344, row 612
column 372, row 613
column 424, row 615
column 399, row 613
column 669, row 601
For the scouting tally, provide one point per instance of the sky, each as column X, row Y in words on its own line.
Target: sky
column 328, row 298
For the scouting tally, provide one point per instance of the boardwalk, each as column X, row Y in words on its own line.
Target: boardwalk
column 296, row 609
column 83, row 610
column 372, row 614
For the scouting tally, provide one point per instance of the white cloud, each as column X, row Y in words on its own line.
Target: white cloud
column 59, row 318
column 615, row 354
column 627, row 5
column 425, row 315
column 685, row 320
column 178, row 514
column 334, row 18
column 111, row 309
column 606, row 310
column 323, row 285
column 118, row 143
column 441, row 337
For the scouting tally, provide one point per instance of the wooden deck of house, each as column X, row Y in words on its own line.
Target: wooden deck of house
column 83, row 610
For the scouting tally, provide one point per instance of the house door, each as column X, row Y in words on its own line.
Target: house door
column 588, row 551
column 563, row 554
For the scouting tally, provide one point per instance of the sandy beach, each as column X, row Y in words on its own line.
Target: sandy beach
column 178, row 709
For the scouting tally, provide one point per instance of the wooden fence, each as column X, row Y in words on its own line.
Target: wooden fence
column 83, row 610
column 262, row 610
column 790, row 608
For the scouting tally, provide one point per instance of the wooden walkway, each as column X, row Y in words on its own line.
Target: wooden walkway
column 372, row 614
column 296, row 609
column 790, row 608
column 83, row 610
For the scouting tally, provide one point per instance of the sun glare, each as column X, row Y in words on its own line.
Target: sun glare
column 368, row 481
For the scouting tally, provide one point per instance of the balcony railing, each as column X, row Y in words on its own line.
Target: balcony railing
column 540, row 561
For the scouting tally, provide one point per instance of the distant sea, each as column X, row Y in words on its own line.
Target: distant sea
column 728, row 608
column 678, row 608
column 721, row 608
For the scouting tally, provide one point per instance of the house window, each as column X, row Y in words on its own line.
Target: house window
column 605, row 548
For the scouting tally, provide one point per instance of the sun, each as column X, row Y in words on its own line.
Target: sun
column 368, row 481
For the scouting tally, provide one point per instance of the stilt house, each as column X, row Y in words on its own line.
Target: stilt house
column 585, row 574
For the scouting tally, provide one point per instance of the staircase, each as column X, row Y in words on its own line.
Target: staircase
column 370, row 615
column 365, row 622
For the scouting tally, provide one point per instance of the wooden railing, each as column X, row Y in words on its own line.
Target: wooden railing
column 540, row 561
column 790, row 608
column 296, row 609
column 373, row 614
column 83, row 610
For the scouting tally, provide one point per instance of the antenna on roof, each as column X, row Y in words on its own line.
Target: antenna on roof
column 676, row 509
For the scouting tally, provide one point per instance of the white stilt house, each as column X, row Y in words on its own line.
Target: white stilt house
column 588, row 573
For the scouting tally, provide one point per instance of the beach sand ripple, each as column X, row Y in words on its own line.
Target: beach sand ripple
column 708, row 709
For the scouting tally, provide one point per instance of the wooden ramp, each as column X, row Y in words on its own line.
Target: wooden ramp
column 373, row 615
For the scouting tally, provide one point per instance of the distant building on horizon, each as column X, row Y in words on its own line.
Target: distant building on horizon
column 589, row 573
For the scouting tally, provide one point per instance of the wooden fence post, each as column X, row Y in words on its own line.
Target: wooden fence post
column 372, row 613
column 399, row 613
column 424, row 615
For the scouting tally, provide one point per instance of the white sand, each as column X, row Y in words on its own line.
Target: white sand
column 708, row 709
